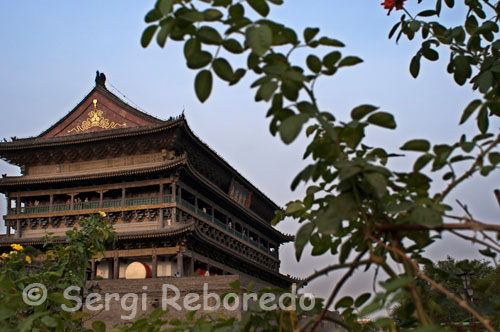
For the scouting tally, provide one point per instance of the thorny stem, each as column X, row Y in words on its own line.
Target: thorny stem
column 470, row 171
column 330, row 268
column 422, row 316
column 336, row 290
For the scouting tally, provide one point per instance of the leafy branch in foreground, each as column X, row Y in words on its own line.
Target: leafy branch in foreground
column 355, row 205
column 63, row 265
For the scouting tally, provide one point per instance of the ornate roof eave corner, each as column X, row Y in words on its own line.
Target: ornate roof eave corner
column 189, row 167
column 226, row 164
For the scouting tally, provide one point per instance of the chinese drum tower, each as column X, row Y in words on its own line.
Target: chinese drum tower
column 178, row 208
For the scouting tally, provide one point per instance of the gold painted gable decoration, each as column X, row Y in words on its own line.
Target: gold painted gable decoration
column 96, row 119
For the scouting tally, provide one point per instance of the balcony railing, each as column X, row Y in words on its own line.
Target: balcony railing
column 86, row 206
column 135, row 202
column 90, row 205
column 61, row 207
column 112, row 203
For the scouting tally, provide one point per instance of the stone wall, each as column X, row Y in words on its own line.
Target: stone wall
column 152, row 294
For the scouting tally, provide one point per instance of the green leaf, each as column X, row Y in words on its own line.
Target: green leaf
column 233, row 46
column 199, row 60
column 310, row 33
column 209, row 35
column 382, row 119
column 362, row 299
column 430, row 54
column 212, row 15
column 378, row 182
column 223, row 69
column 494, row 158
column 237, row 11
column 259, row 38
column 482, row 120
column 426, row 217
column 49, row 321
column 350, row 61
column 153, row 15
column 203, row 85
column 222, row 3
column 485, row 81
column 165, row 6
column 293, row 207
column 396, row 284
column 473, row 105
column 462, row 69
column 166, row 27
column 99, row 326
column 344, row 302
column 330, row 42
column 260, row 6
column 266, row 91
column 314, row 63
column 302, row 238
column 361, row 111
column 422, row 161
column 427, row 13
column 290, row 128
column 148, row 34
column 416, row 145
column 331, row 59
column 191, row 47
column 415, row 66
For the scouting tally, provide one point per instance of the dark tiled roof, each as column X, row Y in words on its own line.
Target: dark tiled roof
column 157, row 233
column 21, row 180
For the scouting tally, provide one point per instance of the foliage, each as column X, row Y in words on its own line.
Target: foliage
column 355, row 205
column 484, row 283
column 63, row 265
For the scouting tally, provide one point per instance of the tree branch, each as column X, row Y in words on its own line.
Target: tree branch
column 330, row 268
column 468, row 226
column 336, row 290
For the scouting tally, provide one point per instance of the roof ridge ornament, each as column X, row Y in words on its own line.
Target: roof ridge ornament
column 100, row 79
column 96, row 119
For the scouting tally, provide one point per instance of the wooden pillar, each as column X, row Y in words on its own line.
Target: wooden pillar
column 180, row 262
column 9, row 205
column 18, row 205
column 161, row 193
column 123, row 196
column 191, row 266
column 51, row 203
column 72, row 204
column 101, row 198
column 162, row 221
column 174, row 192
column 173, row 215
column 116, row 266
column 7, row 226
column 92, row 269
column 154, row 270
column 18, row 229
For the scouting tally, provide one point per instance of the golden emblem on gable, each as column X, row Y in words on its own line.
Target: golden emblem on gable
column 96, row 119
